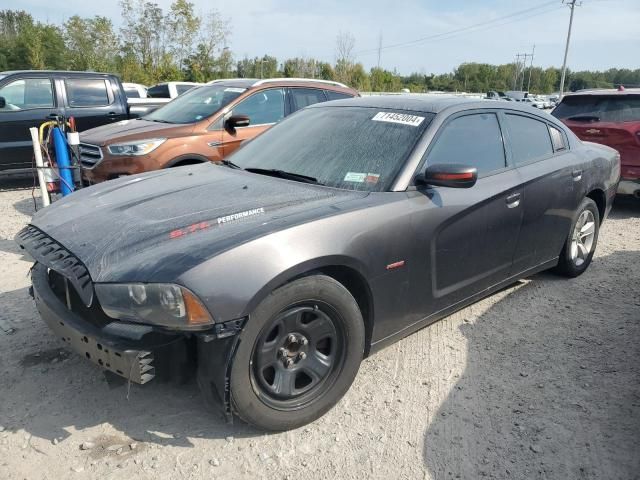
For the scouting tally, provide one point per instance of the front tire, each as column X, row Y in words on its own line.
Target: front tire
column 580, row 245
column 298, row 355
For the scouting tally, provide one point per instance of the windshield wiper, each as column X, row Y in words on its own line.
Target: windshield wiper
column 156, row 120
column 273, row 172
column 230, row 164
column 585, row 118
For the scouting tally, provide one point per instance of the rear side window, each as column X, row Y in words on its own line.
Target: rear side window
column 85, row 92
column 303, row 97
column 27, row 93
column 183, row 88
column 132, row 93
column 530, row 138
column 599, row 108
column 474, row 140
column 159, row 91
column 557, row 139
column 331, row 95
column 266, row 106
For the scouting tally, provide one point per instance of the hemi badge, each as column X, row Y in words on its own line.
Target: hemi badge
column 394, row 265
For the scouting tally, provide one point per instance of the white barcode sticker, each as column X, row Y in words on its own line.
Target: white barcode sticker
column 402, row 118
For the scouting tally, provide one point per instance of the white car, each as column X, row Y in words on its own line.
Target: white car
column 134, row 90
column 171, row 89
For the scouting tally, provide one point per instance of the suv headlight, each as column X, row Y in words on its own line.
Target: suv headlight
column 141, row 147
column 163, row 304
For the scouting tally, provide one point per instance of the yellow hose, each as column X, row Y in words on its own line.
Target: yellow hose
column 45, row 125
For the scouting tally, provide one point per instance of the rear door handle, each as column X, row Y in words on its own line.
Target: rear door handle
column 577, row 175
column 513, row 200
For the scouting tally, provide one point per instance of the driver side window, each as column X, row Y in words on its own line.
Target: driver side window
column 28, row 93
column 474, row 140
column 266, row 106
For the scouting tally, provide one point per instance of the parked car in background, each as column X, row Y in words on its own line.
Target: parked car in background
column 134, row 90
column 170, row 89
column 532, row 102
column 610, row 117
column 30, row 97
column 517, row 95
column 341, row 230
column 205, row 124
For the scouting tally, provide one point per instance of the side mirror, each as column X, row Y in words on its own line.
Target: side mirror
column 3, row 102
column 443, row 175
column 236, row 121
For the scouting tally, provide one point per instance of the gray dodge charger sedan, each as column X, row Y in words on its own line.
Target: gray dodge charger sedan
column 342, row 229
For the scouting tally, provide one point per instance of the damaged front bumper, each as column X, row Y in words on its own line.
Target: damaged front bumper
column 140, row 353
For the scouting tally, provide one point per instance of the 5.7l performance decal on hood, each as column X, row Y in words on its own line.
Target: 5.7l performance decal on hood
column 196, row 227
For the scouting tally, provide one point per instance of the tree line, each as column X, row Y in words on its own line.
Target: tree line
column 153, row 45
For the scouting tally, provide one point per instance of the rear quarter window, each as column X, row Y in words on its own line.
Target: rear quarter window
column 558, row 139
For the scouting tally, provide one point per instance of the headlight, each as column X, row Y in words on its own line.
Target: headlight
column 161, row 304
column 141, row 147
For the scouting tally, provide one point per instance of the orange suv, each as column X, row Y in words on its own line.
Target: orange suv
column 205, row 124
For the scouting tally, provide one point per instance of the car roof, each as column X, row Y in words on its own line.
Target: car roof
column 604, row 91
column 257, row 82
column 64, row 72
column 424, row 103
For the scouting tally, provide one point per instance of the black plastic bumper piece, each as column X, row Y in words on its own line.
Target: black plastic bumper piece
column 110, row 347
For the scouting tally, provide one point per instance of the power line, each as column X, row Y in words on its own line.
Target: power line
column 480, row 25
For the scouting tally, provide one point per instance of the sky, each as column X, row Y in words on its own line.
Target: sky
column 605, row 34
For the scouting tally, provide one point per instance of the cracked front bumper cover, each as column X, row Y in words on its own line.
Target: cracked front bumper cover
column 127, row 350
column 138, row 352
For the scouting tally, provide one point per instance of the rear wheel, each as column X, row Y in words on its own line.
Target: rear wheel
column 298, row 355
column 580, row 245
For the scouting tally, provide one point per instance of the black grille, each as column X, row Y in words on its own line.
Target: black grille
column 90, row 155
column 50, row 253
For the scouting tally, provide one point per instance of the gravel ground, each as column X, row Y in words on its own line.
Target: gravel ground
column 539, row 381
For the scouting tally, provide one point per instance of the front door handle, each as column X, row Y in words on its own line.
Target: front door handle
column 577, row 175
column 513, row 200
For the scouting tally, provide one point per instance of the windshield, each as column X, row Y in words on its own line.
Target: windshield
column 354, row 148
column 604, row 108
column 195, row 105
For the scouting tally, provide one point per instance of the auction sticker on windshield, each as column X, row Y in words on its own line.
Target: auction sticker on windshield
column 402, row 118
column 355, row 177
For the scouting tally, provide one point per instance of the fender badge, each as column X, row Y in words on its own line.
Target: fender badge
column 592, row 131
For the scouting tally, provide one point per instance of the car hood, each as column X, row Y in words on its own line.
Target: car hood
column 158, row 225
column 137, row 129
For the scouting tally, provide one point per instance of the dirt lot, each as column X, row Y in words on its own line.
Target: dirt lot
column 540, row 381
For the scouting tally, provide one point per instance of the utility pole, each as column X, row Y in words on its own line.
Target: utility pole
column 516, row 71
column 379, row 47
column 520, row 66
column 572, row 6
column 533, row 51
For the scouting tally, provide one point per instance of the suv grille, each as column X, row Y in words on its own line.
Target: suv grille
column 50, row 253
column 90, row 155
